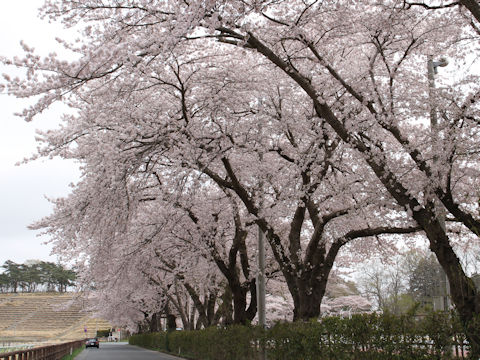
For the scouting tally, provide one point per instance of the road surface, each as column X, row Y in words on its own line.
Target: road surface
column 122, row 351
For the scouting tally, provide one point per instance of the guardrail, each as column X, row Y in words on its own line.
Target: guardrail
column 50, row 352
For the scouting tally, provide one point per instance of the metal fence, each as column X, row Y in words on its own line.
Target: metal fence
column 50, row 352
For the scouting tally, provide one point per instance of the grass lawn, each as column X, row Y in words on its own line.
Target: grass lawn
column 75, row 353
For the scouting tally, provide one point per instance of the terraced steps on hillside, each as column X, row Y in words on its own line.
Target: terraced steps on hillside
column 13, row 311
column 45, row 316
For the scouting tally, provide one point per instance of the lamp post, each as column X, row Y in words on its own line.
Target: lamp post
column 261, row 289
column 432, row 68
column 260, row 281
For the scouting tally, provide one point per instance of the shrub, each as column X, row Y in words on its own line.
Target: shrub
column 103, row 333
column 361, row 337
column 154, row 341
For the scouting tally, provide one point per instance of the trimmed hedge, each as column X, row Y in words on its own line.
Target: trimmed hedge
column 365, row 336
column 103, row 333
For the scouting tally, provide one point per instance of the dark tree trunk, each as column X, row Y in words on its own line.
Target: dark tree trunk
column 227, row 308
column 171, row 322
column 154, row 323
column 252, row 308
column 199, row 306
column 236, row 291
column 473, row 7
column 212, row 299
column 224, row 314
column 462, row 288
column 311, row 290
column 171, row 319
column 308, row 289
column 241, row 313
column 239, row 305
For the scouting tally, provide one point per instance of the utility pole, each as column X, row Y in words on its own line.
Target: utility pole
column 261, row 279
column 432, row 71
column 439, row 209
column 261, row 290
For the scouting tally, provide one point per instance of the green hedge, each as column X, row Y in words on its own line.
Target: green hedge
column 103, row 333
column 366, row 336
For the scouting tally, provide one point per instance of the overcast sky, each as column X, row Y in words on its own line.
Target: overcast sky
column 23, row 188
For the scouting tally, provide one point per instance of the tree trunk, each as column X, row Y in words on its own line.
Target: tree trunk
column 225, row 311
column 171, row 319
column 154, row 323
column 239, row 305
column 241, row 313
column 308, row 291
column 252, row 308
column 212, row 299
column 228, row 309
column 309, row 297
column 473, row 7
column 462, row 288
column 192, row 318
column 171, row 322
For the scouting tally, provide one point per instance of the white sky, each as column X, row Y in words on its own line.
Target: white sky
column 23, row 188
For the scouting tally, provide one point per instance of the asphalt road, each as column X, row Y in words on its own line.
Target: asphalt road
column 122, row 351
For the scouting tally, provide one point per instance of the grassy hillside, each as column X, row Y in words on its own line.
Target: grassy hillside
column 45, row 317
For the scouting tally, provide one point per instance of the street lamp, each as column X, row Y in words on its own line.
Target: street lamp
column 435, row 64
column 261, row 279
column 432, row 67
column 432, row 71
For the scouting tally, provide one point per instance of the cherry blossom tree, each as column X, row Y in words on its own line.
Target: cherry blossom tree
column 354, row 73
column 319, row 52
column 189, row 223
column 239, row 158
column 212, row 226
column 181, row 250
